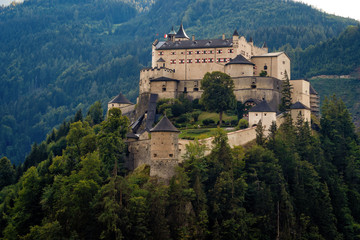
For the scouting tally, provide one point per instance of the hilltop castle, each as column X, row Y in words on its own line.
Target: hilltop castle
column 178, row 65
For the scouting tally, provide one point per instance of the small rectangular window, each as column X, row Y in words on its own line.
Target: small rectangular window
column 164, row 89
column 173, row 61
column 161, row 53
column 211, row 52
column 196, row 89
column 219, row 51
column 204, row 52
column 197, row 60
column 173, row 53
column 181, row 61
column 189, row 61
column 211, row 60
column 204, row 60
column 230, row 50
column 189, row 52
column 197, row 52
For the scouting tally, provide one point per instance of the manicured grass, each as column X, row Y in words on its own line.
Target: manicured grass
column 200, row 133
column 215, row 117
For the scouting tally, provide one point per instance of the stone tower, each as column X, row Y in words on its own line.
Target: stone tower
column 164, row 149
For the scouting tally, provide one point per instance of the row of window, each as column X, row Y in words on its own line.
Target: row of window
column 220, row 51
column 198, row 60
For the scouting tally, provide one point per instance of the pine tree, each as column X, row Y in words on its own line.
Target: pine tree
column 285, row 94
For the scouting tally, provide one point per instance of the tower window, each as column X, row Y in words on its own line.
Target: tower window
column 170, row 155
column 230, row 50
column 265, row 67
column 161, row 53
column 189, row 52
column 196, row 89
column 164, row 89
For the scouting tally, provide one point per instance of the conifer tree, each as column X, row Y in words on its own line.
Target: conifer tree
column 285, row 94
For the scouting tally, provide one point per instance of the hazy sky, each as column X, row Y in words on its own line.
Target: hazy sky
column 345, row 8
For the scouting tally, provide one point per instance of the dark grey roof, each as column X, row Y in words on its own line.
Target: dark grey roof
column 312, row 90
column 262, row 107
column 164, row 126
column 163, row 79
column 235, row 33
column 151, row 111
column 131, row 135
column 265, row 45
column 188, row 44
column 181, row 33
column 120, row 99
column 239, row 59
column 161, row 60
column 252, row 100
column 251, row 39
column 298, row 105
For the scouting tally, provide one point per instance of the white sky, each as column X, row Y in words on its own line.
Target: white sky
column 344, row 8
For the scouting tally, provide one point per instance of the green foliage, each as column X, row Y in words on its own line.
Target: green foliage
column 242, row 124
column 218, row 95
column 286, row 91
column 262, row 192
column 7, row 172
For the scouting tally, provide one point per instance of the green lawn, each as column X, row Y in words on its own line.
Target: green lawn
column 200, row 133
column 215, row 117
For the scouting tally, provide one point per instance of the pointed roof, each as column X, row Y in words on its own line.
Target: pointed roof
column 313, row 91
column 161, row 60
column 181, row 33
column 164, row 126
column 265, row 45
column 131, row 135
column 172, row 32
column 240, row 59
column 251, row 39
column 298, row 105
column 262, row 107
column 235, row 33
column 120, row 99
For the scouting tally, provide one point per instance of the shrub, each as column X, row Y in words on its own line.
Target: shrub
column 208, row 121
column 243, row 123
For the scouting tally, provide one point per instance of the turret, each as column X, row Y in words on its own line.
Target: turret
column 181, row 34
column 263, row 112
column 171, row 34
column 235, row 39
column 164, row 149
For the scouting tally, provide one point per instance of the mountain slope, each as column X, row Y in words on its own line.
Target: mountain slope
column 59, row 56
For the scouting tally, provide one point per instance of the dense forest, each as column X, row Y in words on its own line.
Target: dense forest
column 57, row 57
column 295, row 184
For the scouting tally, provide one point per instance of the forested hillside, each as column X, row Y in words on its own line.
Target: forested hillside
column 338, row 56
column 295, row 184
column 57, row 57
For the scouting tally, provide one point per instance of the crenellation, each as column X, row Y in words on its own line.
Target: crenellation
column 178, row 66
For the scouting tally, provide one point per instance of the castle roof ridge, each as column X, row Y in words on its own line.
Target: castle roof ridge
column 164, row 126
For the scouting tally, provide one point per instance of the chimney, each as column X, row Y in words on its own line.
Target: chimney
column 193, row 37
column 223, row 36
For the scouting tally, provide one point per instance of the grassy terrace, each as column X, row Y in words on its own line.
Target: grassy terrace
column 200, row 133
column 196, row 130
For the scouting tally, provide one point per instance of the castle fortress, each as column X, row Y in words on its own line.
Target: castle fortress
column 178, row 65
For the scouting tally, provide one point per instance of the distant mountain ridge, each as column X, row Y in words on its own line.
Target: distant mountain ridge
column 62, row 55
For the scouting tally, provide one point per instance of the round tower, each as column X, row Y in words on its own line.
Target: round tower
column 164, row 151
